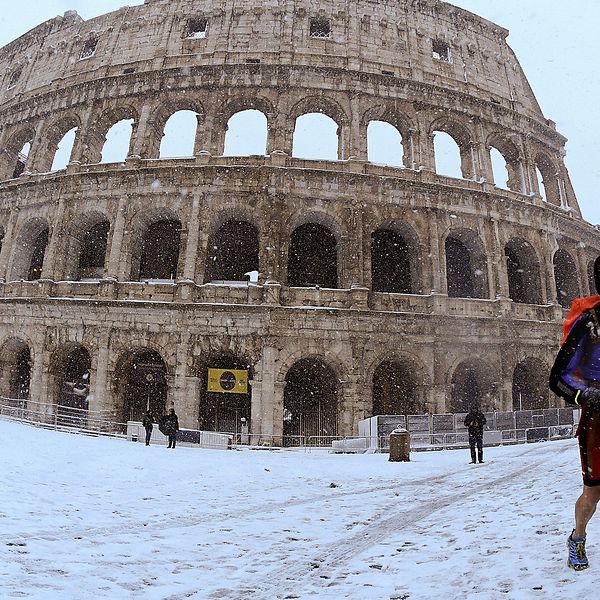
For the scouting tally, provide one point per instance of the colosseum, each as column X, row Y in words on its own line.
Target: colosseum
column 342, row 286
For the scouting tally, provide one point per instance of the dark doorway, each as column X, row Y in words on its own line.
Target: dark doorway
column 146, row 389
column 312, row 258
column 222, row 411
column 21, row 377
column 395, row 390
column 160, row 250
column 390, row 262
column 232, row 252
column 37, row 256
column 565, row 275
column 523, row 272
column 310, row 402
column 459, row 271
column 93, row 252
column 530, row 385
column 75, row 382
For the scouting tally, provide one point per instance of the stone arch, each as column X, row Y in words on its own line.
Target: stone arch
column 223, row 411
column 463, row 138
column 179, row 135
column 313, row 256
column 70, row 371
column 523, row 270
column 472, row 382
column 238, row 142
column 395, row 259
column 591, row 278
column 549, row 175
column 140, row 381
column 400, row 121
column 85, row 246
column 398, row 386
column 97, row 134
column 233, row 250
column 466, row 264
column 565, row 276
column 52, row 137
column 15, row 369
column 29, row 250
column 13, row 161
column 320, row 105
column 155, row 245
column 512, row 158
column 311, row 400
column 530, row 384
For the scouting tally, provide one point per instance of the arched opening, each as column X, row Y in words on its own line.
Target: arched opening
column 37, row 256
column 530, row 385
column 224, row 410
column 142, row 384
column 565, row 275
column 117, row 142
column 448, row 161
column 72, row 376
column 396, row 390
column 547, row 177
column 179, row 135
column 499, row 169
column 160, row 250
column 93, row 252
column 22, row 157
column 310, row 400
column 15, row 370
column 466, row 268
column 233, row 252
column 315, row 137
column 391, row 263
column 62, row 156
column 312, row 257
column 384, row 144
column 524, row 285
column 472, row 385
column 246, row 134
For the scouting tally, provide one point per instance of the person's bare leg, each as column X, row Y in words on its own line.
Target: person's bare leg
column 585, row 507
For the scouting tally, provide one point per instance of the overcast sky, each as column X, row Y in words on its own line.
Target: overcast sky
column 556, row 42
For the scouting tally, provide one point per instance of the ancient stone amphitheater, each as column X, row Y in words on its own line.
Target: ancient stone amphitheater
column 381, row 289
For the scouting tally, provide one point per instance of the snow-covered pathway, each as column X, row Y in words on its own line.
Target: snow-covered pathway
column 83, row 517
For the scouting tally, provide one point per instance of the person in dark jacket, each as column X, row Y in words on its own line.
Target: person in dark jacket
column 475, row 421
column 171, row 427
column 148, row 423
column 575, row 376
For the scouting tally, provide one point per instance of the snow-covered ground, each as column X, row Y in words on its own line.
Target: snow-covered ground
column 100, row 518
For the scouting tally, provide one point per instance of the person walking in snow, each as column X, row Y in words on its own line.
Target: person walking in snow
column 474, row 422
column 148, row 423
column 575, row 376
column 171, row 427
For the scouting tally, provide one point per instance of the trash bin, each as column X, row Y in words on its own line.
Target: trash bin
column 400, row 445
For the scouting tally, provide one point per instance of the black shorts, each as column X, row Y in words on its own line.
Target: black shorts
column 588, row 434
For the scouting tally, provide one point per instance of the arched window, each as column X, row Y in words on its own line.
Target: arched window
column 565, row 275
column 246, row 134
column 310, row 401
column 22, row 160
column 466, row 266
column 62, row 156
column 73, row 377
column 384, row 144
column 472, row 385
column 499, row 168
column 524, row 285
column 160, row 250
column 118, row 139
column 37, row 256
column 312, row 257
column 390, row 263
column 316, row 137
column 448, row 160
column 93, row 251
column 530, row 385
column 179, row 136
column 232, row 252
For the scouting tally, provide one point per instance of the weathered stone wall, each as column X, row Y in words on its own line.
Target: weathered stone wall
column 377, row 65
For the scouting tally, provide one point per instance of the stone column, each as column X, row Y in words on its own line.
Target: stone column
column 278, row 399
column 547, row 271
column 140, row 142
column 49, row 268
column 499, row 266
column 438, row 285
column 191, row 248
column 7, row 245
column 358, row 134
column 280, row 135
column 38, row 387
column 38, row 149
column 186, row 405
column 98, row 399
column 584, row 283
column 78, row 153
column 116, row 241
column 263, row 394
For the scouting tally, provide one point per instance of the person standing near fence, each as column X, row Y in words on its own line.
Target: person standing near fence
column 171, row 426
column 575, row 376
column 475, row 422
column 148, row 423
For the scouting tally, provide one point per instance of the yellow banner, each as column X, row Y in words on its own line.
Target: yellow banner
column 228, row 381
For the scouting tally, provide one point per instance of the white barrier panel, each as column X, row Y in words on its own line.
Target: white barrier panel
column 204, row 439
